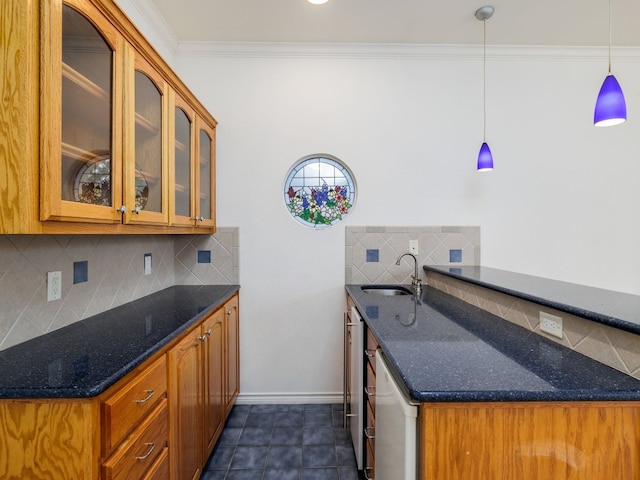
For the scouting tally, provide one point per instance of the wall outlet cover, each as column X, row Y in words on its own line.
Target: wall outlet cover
column 54, row 286
column 551, row 324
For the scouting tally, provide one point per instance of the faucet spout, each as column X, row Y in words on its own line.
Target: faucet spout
column 415, row 283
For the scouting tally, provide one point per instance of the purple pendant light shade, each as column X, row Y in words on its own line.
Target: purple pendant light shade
column 611, row 108
column 485, row 159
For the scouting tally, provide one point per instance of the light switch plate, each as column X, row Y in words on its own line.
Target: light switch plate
column 147, row 264
column 413, row 247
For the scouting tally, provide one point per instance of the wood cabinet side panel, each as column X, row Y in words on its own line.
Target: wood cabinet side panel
column 19, row 119
column 521, row 441
column 49, row 439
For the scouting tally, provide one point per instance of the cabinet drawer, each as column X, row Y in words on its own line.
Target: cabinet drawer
column 123, row 410
column 139, row 452
column 160, row 469
column 370, row 463
column 371, row 426
column 372, row 347
column 370, row 390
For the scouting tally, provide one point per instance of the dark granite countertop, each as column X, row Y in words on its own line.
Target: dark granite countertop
column 85, row 358
column 445, row 350
column 616, row 309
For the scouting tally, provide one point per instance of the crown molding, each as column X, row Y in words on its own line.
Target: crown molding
column 400, row 52
column 147, row 10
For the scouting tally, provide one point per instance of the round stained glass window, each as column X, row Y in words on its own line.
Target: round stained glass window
column 319, row 191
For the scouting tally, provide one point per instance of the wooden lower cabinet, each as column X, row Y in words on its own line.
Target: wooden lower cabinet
column 232, row 352
column 213, row 374
column 203, row 386
column 160, row 422
column 52, row 439
column 370, row 396
column 185, row 399
column 530, row 440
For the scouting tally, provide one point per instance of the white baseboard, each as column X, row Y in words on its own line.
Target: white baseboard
column 288, row 398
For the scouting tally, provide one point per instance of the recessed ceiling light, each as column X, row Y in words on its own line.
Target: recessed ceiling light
column 317, row 2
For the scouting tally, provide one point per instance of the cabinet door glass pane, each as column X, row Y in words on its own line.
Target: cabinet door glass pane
column 148, row 144
column 205, row 174
column 87, row 71
column 183, row 164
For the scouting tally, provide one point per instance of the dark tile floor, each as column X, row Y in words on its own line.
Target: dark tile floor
column 283, row 442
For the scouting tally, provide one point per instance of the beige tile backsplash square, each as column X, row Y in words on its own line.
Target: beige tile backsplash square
column 116, row 274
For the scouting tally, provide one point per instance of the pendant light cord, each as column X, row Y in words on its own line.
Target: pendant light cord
column 484, row 81
column 609, row 37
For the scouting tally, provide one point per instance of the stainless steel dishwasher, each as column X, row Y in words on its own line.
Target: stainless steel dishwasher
column 396, row 428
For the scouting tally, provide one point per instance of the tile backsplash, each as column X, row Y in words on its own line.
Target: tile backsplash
column 371, row 252
column 115, row 274
column 613, row 347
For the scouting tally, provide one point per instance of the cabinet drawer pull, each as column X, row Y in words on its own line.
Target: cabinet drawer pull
column 151, row 446
column 370, row 353
column 149, row 393
column 366, row 473
column 370, row 391
column 369, row 432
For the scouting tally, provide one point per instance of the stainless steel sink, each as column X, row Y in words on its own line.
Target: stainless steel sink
column 386, row 290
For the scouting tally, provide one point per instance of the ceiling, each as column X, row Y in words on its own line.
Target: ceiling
column 515, row 22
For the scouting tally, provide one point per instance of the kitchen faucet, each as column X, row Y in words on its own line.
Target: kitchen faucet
column 415, row 283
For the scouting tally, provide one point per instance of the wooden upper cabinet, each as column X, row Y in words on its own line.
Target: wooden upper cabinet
column 182, row 143
column 82, row 97
column 99, row 133
column 145, row 143
column 205, row 178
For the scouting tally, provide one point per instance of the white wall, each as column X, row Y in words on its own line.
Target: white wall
column 562, row 203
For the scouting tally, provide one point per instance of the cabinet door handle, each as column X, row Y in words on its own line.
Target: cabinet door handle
column 151, row 446
column 369, row 432
column 149, row 393
column 137, row 210
column 208, row 332
column 366, row 473
column 229, row 313
column 202, row 338
column 370, row 391
column 370, row 353
column 121, row 209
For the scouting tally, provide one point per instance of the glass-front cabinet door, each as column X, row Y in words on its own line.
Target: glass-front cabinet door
column 81, row 154
column 145, row 162
column 205, row 184
column 181, row 163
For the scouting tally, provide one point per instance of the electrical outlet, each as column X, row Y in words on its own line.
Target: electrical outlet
column 551, row 324
column 147, row 264
column 54, row 286
column 413, row 247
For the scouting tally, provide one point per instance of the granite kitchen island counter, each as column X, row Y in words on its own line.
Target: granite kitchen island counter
column 615, row 309
column 445, row 350
column 85, row 358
